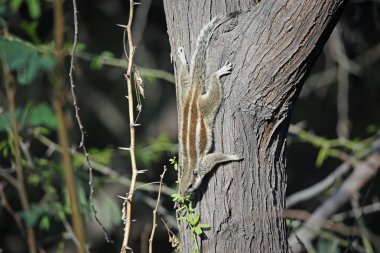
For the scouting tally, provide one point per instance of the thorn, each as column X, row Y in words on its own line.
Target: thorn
column 135, row 125
column 136, row 3
column 126, row 96
column 134, row 220
column 122, row 197
column 122, row 148
column 141, row 171
column 123, row 26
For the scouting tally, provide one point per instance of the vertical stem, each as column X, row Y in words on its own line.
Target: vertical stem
column 155, row 212
column 127, row 208
column 62, row 128
column 10, row 93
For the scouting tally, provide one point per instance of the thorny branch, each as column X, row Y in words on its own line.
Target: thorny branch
column 127, row 205
column 81, row 128
column 113, row 176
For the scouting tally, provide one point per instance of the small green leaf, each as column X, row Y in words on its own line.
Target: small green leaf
column 34, row 179
column 44, row 223
column 190, row 219
column 99, row 60
column 322, row 155
column 15, row 5
column 181, row 208
column 196, row 218
column 181, row 218
column 193, row 219
column 175, row 196
column 202, row 225
column 197, row 231
column 34, row 8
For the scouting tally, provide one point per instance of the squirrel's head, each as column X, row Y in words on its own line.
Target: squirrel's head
column 189, row 182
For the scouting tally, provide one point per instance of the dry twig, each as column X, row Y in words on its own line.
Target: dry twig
column 363, row 172
column 79, row 121
column 10, row 90
column 154, row 225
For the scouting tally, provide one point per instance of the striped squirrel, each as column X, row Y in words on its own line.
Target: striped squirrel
column 199, row 100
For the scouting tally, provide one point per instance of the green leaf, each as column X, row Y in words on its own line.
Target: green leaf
column 97, row 62
column 34, row 179
column 35, row 212
column 44, row 223
column 197, row 231
column 202, row 225
column 35, row 116
column 24, row 58
column 175, row 195
column 195, row 251
column 190, row 219
column 322, row 155
column 29, row 72
column 15, row 5
column 193, row 219
column 181, row 218
column 42, row 115
column 30, row 28
column 34, row 8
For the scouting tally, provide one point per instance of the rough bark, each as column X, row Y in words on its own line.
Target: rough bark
column 272, row 46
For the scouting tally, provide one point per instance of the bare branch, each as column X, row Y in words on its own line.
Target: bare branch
column 363, row 172
column 10, row 90
column 4, row 202
column 81, row 128
column 319, row 187
column 154, row 225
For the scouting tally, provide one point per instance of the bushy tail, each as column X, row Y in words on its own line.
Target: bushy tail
column 198, row 61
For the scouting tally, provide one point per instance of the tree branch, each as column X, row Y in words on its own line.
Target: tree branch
column 363, row 172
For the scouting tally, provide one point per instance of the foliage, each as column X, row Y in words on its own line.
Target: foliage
column 31, row 116
column 187, row 213
column 24, row 58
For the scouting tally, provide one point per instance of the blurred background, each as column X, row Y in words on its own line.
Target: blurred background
column 337, row 116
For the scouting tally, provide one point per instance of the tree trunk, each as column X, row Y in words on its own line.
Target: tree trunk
column 272, row 46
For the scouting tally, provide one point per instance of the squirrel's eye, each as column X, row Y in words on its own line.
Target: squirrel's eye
column 195, row 173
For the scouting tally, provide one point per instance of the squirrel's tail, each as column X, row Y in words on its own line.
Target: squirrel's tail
column 198, row 65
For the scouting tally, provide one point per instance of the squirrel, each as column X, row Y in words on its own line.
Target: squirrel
column 199, row 101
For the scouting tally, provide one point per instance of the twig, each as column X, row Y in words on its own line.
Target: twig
column 8, row 177
column 127, row 205
column 363, row 172
column 115, row 62
column 10, row 91
column 154, row 225
column 363, row 230
column 338, row 53
column 162, row 211
column 317, row 188
column 175, row 243
column 327, row 224
column 4, row 202
column 80, row 125
column 343, row 169
column 113, row 176
column 25, row 149
column 144, row 238
column 375, row 207
column 63, row 139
